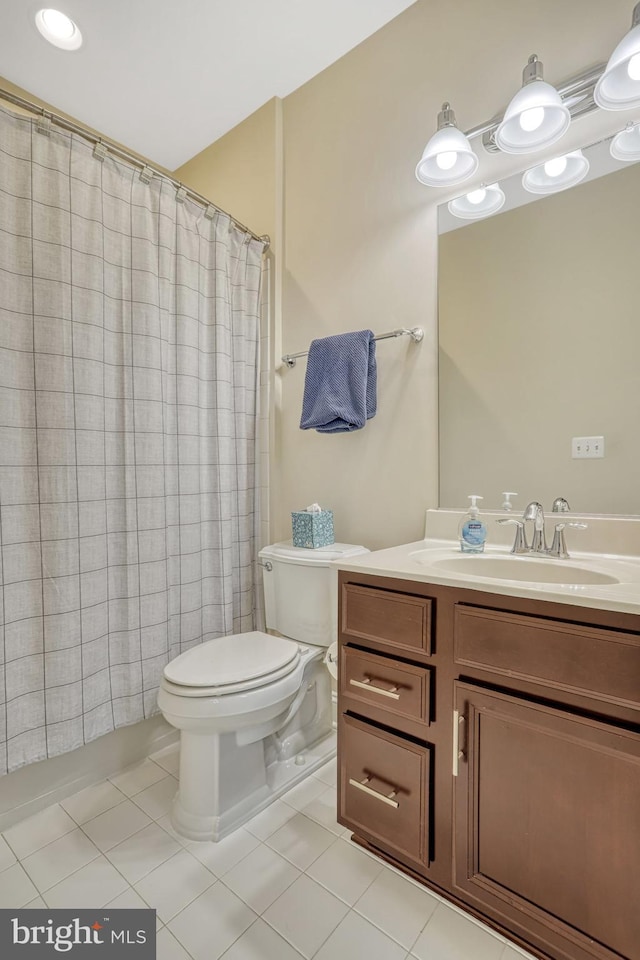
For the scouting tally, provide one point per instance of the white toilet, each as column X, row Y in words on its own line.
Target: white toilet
column 253, row 709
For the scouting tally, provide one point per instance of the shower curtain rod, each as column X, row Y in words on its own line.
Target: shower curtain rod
column 416, row 334
column 117, row 151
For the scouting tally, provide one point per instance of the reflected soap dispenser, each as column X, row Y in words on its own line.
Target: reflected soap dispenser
column 472, row 532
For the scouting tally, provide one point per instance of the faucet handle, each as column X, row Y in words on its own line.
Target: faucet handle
column 520, row 544
column 558, row 546
column 560, row 505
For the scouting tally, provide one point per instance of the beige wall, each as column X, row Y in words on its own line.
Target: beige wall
column 540, row 341
column 358, row 235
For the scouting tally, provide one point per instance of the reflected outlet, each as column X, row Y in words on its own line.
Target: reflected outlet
column 587, row 448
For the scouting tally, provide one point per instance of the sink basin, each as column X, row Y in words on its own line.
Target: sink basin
column 524, row 569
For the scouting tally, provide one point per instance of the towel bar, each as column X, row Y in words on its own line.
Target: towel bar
column 416, row 334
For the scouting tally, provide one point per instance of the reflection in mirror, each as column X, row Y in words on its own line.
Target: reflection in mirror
column 539, row 335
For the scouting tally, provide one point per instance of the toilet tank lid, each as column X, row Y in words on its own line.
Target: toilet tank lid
column 320, row 556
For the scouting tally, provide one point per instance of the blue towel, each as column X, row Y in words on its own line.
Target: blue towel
column 340, row 385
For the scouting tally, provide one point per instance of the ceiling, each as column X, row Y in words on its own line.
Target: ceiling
column 167, row 78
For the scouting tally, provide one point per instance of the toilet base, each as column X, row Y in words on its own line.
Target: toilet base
column 225, row 781
column 281, row 775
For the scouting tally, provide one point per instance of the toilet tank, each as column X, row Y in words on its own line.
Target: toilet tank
column 301, row 590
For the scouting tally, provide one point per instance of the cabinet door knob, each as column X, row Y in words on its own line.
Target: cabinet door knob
column 384, row 798
column 367, row 684
column 458, row 753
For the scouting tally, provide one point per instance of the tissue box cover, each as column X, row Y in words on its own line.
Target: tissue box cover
column 312, row 529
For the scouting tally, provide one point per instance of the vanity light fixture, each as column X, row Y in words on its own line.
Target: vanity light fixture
column 557, row 174
column 626, row 144
column 484, row 201
column 447, row 158
column 536, row 116
column 619, row 86
column 58, row 29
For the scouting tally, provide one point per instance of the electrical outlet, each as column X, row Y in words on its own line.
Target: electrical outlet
column 587, row 448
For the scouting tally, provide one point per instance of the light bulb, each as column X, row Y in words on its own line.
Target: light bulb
column 446, row 159
column 532, row 118
column 556, row 167
column 477, row 196
column 58, row 24
column 633, row 67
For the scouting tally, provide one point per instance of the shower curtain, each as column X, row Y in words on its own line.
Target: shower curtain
column 129, row 336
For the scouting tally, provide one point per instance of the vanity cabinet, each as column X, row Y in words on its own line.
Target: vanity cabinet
column 504, row 769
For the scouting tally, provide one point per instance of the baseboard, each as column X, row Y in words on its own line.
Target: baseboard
column 38, row 785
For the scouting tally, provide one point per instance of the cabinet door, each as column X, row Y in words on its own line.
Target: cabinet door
column 383, row 790
column 547, row 824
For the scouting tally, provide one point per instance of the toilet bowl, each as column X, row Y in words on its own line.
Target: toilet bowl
column 254, row 709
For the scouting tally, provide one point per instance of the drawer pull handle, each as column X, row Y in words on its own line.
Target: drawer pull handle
column 366, row 684
column 362, row 785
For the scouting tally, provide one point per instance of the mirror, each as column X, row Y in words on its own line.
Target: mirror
column 539, row 343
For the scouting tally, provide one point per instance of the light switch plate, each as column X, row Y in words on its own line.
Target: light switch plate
column 587, row 448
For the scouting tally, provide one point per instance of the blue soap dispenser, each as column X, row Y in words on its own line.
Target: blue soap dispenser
column 472, row 532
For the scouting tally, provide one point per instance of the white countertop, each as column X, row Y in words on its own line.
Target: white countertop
column 427, row 567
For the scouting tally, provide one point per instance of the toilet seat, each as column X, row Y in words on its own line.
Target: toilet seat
column 233, row 664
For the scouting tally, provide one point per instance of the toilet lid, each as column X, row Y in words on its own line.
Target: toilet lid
column 238, row 658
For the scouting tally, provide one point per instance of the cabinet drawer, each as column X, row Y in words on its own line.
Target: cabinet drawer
column 599, row 663
column 384, row 790
column 399, row 619
column 398, row 688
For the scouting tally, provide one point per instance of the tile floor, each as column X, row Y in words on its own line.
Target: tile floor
column 288, row 885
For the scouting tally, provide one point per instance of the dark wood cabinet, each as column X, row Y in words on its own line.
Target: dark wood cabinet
column 546, row 833
column 490, row 746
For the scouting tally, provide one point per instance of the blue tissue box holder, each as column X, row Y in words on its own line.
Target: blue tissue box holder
column 312, row 530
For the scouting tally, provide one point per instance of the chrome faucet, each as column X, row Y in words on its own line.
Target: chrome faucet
column 535, row 513
column 538, row 546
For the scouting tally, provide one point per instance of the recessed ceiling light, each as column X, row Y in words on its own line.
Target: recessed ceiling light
column 58, row 29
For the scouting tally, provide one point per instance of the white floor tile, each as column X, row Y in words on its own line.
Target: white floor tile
column 141, row 853
column 515, row 953
column 328, row 773
column 60, row 859
column 157, row 799
column 400, row 908
column 357, row 939
column 304, row 792
column 451, row 936
column 261, row 877
column 323, row 809
column 91, row 886
column 261, row 942
column 168, row 759
column 130, row 900
column 270, row 819
column 29, row 835
column 209, row 925
column 116, row 825
column 301, row 841
column 305, row 915
column 165, row 823
column 168, row 948
column 92, row 801
column 7, row 856
column 174, row 884
column 220, row 857
column 16, row 889
column 345, row 871
column 138, row 777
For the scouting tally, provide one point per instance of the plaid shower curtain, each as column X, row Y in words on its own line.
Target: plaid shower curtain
column 129, row 335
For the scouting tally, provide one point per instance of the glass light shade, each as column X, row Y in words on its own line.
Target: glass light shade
column 58, row 29
column 626, row 144
column 551, row 177
column 619, row 86
column 479, row 203
column 535, row 118
column 447, row 159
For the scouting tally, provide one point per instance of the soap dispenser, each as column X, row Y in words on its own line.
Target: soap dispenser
column 472, row 532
